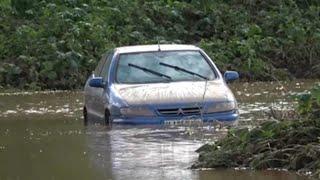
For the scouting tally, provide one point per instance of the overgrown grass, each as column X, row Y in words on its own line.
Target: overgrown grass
column 55, row 44
column 291, row 144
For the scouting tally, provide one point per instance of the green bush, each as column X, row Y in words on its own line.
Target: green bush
column 56, row 44
column 21, row 6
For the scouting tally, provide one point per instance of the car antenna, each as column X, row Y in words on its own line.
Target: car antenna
column 159, row 49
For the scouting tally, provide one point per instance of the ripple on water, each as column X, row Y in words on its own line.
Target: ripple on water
column 122, row 152
column 255, row 100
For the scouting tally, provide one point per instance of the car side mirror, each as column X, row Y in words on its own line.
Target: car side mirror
column 96, row 82
column 230, row 76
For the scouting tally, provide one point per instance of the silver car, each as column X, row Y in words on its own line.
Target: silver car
column 156, row 84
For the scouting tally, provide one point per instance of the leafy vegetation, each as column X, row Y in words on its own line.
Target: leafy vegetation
column 309, row 103
column 293, row 145
column 57, row 43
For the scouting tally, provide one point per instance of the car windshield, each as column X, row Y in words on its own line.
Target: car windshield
column 163, row 66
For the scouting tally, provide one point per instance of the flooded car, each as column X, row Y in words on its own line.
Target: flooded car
column 158, row 84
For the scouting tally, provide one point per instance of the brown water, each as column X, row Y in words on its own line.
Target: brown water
column 42, row 137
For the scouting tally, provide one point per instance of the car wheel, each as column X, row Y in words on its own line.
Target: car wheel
column 107, row 119
column 85, row 116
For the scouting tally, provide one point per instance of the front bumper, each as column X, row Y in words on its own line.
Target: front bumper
column 223, row 117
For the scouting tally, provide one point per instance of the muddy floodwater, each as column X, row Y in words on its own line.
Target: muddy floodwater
column 42, row 137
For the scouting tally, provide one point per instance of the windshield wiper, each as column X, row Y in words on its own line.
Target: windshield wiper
column 149, row 71
column 177, row 68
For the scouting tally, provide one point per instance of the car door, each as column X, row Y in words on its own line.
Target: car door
column 91, row 92
column 101, row 94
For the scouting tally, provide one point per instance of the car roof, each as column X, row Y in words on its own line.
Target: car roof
column 155, row 47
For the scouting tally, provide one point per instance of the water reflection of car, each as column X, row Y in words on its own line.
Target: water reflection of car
column 155, row 84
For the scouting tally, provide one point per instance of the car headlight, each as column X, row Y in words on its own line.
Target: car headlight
column 136, row 111
column 222, row 107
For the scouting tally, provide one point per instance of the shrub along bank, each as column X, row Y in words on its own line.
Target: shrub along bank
column 293, row 145
column 55, row 44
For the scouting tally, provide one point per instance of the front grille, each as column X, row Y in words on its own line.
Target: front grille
column 180, row 111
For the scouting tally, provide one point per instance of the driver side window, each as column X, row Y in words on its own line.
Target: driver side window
column 105, row 70
column 99, row 67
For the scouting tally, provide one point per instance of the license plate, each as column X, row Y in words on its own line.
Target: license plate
column 183, row 122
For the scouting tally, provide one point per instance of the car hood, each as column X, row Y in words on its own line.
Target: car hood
column 174, row 92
